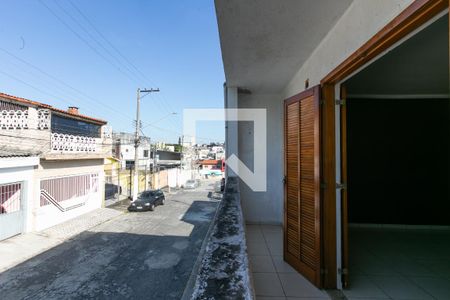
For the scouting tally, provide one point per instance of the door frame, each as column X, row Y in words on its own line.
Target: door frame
column 415, row 16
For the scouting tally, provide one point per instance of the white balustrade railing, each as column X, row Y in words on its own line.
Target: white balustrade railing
column 43, row 119
column 73, row 143
column 14, row 119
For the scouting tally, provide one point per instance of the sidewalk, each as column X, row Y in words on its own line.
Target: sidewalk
column 18, row 249
column 110, row 202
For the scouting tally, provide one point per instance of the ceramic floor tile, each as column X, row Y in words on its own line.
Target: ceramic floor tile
column 281, row 266
column 407, row 267
column 439, row 288
column 273, row 237
column 251, row 227
column 439, row 267
column 261, row 264
column 295, row 285
column 364, row 287
column 275, row 248
column 400, row 288
column 267, row 284
column 269, row 298
column 254, row 236
column 271, row 228
column 257, row 248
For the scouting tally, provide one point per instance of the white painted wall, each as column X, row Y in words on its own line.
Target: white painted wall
column 127, row 153
column 263, row 207
column 362, row 20
column 49, row 215
column 177, row 177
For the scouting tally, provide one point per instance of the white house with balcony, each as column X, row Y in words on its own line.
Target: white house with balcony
column 51, row 164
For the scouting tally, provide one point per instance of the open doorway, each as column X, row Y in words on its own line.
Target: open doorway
column 398, row 171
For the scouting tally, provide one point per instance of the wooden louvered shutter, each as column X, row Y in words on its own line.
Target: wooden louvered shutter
column 302, row 247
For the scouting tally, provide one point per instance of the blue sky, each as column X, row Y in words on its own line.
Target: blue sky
column 173, row 44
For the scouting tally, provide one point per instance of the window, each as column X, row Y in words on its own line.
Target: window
column 10, row 195
column 145, row 153
column 129, row 164
column 75, row 127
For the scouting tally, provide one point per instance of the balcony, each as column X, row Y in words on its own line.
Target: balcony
column 224, row 270
column 67, row 143
column 14, row 119
column 24, row 128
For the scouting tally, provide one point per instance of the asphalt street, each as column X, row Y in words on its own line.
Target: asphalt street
column 144, row 255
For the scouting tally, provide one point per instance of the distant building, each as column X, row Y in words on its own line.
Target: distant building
column 51, row 164
column 124, row 150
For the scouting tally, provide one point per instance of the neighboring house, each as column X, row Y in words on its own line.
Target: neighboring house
column 357, row 101
column 51, row 166
column 168, row 159
column 17, row 197
column 123, row 149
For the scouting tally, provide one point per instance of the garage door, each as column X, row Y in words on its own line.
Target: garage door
column 11, row 210
column 302, row 190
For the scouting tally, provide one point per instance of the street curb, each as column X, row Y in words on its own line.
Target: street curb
column 189, row 289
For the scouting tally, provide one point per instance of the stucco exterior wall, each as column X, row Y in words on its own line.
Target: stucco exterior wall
column 359, row 23
column 263, row 207
column 49, row 215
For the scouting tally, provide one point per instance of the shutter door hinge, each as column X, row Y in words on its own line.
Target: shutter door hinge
column 340, row 102
column 323, row 185
column 341, row 186
column 323, row 271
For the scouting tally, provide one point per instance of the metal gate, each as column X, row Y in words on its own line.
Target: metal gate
column 11, row 210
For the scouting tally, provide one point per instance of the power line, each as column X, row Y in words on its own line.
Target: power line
column 52, row 95
column 84, row 41
column 93, row 38
column 170, row 108
column 163, row 101
column 106, row 40
column 64, row 83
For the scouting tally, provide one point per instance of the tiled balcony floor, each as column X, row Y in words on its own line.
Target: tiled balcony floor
column 384, row 264
column 273, row 278
column 399, row 264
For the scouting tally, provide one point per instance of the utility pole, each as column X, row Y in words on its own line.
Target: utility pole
column 136, row 141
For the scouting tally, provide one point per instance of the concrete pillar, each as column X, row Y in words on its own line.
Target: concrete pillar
column 231, row 127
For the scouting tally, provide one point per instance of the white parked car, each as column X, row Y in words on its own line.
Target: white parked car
column 190, row 184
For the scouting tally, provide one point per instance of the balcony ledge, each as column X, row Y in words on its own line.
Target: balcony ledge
column 224, row 270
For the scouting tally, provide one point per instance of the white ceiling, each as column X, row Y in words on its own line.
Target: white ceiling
column 419, row 66
column 264, row 42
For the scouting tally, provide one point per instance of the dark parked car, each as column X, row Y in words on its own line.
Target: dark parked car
column 148, row 200
column 111, row 190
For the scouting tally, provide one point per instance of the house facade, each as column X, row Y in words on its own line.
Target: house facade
column 52, row 164
column 344, row 84
column 124, row 150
